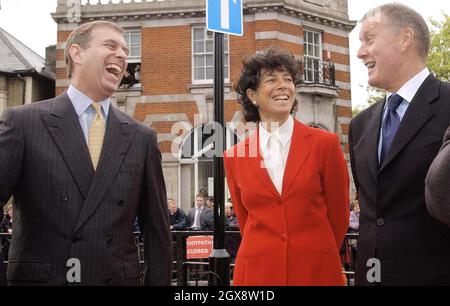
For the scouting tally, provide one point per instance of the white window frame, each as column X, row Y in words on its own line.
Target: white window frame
column 211, row 38
column 127, row 35
column 314, row 43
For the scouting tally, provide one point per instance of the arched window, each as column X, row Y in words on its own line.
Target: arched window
column 196, row 160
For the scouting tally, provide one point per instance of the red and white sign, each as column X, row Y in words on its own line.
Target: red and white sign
column 199, row 246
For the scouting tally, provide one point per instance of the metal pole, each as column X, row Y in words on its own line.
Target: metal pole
column 219, row 261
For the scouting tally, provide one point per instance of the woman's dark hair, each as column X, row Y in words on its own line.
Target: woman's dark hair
column 270, row 59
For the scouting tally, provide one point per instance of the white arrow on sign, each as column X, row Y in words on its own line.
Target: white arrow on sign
column 225, row 14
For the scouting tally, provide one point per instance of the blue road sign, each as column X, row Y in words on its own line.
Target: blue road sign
column 224, row 16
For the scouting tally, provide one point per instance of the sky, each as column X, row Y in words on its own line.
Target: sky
column 31, row 23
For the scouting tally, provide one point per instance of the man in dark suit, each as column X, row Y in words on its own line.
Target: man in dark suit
column 437, row 184
column 177, row 217
column 80, row 171
column 200, row 217
column 392, row 144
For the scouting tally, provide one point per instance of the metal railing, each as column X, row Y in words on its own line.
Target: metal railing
column 315, row 71
column 199, row 268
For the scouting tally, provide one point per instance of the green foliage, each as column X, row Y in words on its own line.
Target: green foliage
column 439, row 57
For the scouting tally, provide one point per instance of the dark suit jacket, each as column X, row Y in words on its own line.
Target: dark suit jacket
column 395, row 227
column 178, row 220
column 63, row 209
column 437, row 184
column 206, row 218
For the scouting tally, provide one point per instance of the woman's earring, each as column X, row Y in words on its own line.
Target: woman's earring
column 254, row 103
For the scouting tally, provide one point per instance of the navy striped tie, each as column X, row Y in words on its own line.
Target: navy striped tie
column 390, row 125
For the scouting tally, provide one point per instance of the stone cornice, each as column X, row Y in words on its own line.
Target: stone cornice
column 172, row 9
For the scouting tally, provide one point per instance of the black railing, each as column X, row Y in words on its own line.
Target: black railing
column 315, row 71
column 183, row 268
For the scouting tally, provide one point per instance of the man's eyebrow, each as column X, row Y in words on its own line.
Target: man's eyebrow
column 114, row 42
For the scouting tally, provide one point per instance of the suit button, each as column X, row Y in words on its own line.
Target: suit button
column 108, row 280
column 120, row 203
column 284, row 237
column 110, row 241
column 279, row 201
column 64, row 198
column 380, row 221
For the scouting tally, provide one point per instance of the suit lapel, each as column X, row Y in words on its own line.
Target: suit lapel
column 372, row 136
column 300, row 146
column 118, row 137
column 256, row 162
column 417, row 114
column 64, row 128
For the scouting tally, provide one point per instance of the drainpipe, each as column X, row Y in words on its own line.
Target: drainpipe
column 24, row 87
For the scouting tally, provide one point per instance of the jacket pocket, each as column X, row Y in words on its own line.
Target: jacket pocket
column 29, row 271
column 132, row 269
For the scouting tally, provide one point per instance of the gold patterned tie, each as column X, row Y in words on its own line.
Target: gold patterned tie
column 96, row 134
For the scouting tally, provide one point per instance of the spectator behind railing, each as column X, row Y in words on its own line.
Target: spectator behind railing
column 231, row 223
column 200, row 216
column 354, row 217
column 178, row 218
column 6, row 224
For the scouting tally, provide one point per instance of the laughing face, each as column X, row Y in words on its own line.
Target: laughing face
column 275, row 95
column 381, row 53
column 100, row 66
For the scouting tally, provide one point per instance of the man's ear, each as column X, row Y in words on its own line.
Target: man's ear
column 251, row 94
column 406, row 38
column 75, row 53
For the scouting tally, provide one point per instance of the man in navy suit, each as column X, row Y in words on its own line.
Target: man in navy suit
column 392, row 144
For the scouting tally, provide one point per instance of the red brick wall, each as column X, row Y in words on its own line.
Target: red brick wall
column 166, row 60
column 336, row 40
column 166, row 67
column 343, row 111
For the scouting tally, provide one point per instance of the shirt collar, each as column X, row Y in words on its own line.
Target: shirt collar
column 81, row 102
column 410, row 88
column 284, row 133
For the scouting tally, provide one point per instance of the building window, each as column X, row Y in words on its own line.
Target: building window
column 132, row 77
column 203, row 55
column 196, row 161
column 313, row 56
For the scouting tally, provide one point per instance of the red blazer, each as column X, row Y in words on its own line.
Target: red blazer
column 293, row 238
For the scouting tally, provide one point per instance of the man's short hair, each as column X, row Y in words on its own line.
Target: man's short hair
column 402, row 16
column 82, row 36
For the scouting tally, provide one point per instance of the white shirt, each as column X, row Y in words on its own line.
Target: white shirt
column 85, row 113
column 198, row 212
column 275, row 158
column 407, row 92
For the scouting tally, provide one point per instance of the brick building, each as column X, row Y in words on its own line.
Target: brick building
column 171, row 60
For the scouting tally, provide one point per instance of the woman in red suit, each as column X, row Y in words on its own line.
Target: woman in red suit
column 289, row 184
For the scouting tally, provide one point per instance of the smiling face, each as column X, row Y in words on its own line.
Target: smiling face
column 274, row 96
column 382, row 53
column 100, row 66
